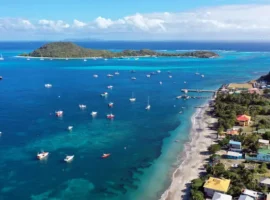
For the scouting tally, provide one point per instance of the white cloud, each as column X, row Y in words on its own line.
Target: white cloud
column 222, row 22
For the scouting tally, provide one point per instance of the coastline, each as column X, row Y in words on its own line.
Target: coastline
column 194, row 155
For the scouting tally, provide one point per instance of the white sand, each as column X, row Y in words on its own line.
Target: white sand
column 194, row 156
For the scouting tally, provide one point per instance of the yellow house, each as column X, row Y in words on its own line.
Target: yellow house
column 213, row 185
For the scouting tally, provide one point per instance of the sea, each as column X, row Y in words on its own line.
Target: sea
column 145, row 146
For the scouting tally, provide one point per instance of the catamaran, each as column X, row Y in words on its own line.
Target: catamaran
column 69, row 158
column 132, row 99
column 148, row 105
column 42, row 155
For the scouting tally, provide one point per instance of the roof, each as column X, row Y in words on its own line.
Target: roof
column 234, row 142
column 240, row 86
column 245, row 197
column 268, row 196
column 235, row 154
column 217, row 184
column 232, row 132
column 264, row 150
column 263, row 141
column 220, row 196
column 250, row 193
column 243, row 118
column 265, row 181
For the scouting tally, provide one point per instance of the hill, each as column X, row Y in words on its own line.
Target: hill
column 71, row 50
column 265, row 78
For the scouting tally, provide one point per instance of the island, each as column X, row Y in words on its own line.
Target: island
column 71, row 50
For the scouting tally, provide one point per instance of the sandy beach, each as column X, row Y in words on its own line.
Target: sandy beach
column 194, row 155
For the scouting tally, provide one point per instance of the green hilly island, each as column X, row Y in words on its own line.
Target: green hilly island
column 71, row 50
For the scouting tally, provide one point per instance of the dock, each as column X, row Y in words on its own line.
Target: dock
column 193, row 97
column 197, row 90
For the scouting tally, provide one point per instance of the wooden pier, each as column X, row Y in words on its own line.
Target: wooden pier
column 197, row 90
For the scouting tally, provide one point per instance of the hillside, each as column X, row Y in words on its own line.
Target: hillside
column 71, row 50
column 265, row 78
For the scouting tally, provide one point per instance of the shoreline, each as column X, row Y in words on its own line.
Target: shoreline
column 193, row 157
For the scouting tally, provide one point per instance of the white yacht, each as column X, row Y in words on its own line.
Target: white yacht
column 202, row 76
column 133, row 78
column 82, row 106
column 95, row 75
column 148, row 75
column 160, row 82
column 70, row 128
column 158, row 71
column 105, row 94
column 116, row 73
column 93, row 113
column 148, row 105
column 109, row 75
column 42, row 155
column 132, row 99
column 170, row 76
column 84, row 60
column 110, row 87
column 69, row 158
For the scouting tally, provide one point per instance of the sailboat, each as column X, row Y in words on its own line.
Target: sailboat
column 1, row 57
column 148, row 105
column 197, row 73
column 132, row 99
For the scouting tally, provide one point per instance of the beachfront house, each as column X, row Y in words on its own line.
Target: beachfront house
column 265, row 182
column 245, row 197
column 213, row 185
column 243, row 120
column 263, row 143
column 263, row 155
column 234, row 155
column 220, row 196
column 235, row 146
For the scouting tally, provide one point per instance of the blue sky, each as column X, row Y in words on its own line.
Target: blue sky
column 125, row 19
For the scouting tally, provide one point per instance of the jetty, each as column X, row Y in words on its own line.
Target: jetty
column 197, row 90
column 193, row 97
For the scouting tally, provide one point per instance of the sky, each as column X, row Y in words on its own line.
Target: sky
column 135, row 20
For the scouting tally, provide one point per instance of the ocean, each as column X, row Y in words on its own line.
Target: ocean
column 142, row 143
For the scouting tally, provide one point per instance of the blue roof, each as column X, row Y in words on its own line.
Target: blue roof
column 234, row 142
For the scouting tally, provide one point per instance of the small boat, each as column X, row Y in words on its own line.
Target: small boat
column 1, row 77
column 170, row 76
column 133, row 78
column 110, row 104
column 197, row 73
column 82, row 106
column 109, row 75
column 27, row 58
column 116, row 73
column 148, row 105
column 158, row 71
column 1, row 57
column 41, row 58
column 69, row 158
column 0, row 133
column 185, row 82
column 105, row 59
column 84, row 60
column 48, row 85
column 110, row 87
column 105, row 155
column 42, row 155
column 160, row 82
column 110, row 116
column 148, row 75
column 95, row 75
column 104, row 94
column 59, row 113
column 132, row 99
column 66, row 58
column 93, row 113
column 202, row 76
column 70, row 128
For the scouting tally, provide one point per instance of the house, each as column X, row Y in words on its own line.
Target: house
column 232, row 132
column 263, row 155
column 265, row 182
column 254, row 91
column 251, row 193
column 220, row 196
column 213, row 185
column 245, row 197
column 243, row 120
column 234, row 155
column 263, row 142
column 235, row 146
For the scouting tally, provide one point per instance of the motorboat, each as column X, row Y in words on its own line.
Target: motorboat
column 70, row 128
column 148, row 75
column 160, row 82
column 110, row 104
column 59, row 113
column 185, row 82
column 105, row 155
column 82, row 106
column 104, row 94
column 93, row 113
column 48, row 85
column 133, row 78
column 69, row 158
column 158, row 71
column 202, row 76
column 116, row 73
column 109, row 75
column 110, row 116
column 85, row 60
column 105, row 59
column 95, row 75
column 148, row 105
column 170, row 76
column 132, row 99
column 42, row 155
column 110, row 87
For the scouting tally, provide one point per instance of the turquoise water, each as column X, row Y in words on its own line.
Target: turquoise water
column 141, row 143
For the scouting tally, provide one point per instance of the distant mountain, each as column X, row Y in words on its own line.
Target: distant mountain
column 81, row 39
column 71, row 50
column 265, row 78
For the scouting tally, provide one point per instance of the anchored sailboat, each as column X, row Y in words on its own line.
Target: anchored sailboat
column 148, row 105
column 132, row 99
